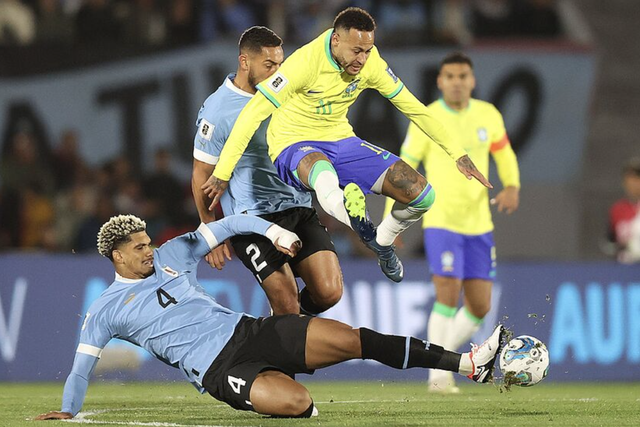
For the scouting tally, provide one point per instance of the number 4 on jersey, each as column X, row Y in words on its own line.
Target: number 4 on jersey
column 164, row 299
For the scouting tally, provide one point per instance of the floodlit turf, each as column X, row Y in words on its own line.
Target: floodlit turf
column 340, row 404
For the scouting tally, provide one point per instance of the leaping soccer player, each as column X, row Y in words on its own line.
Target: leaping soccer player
column 313, row 146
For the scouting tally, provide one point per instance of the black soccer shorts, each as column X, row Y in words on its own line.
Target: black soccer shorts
column 269, row 343
column 259, row 255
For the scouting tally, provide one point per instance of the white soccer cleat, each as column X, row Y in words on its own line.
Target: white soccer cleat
column 314, row 413
column 483, row 357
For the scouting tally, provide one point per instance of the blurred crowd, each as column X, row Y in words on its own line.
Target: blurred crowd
column 53, row 200
column 162, row 23
column 68, row 199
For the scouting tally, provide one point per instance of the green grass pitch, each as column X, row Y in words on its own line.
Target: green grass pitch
column 340, row 404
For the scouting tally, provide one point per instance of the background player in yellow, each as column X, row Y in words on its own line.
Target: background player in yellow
column 458, row 229
column 313, row 146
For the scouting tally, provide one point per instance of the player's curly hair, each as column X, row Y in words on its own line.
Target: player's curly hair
column 117, row 231
column 257, row 37
column 354, row 17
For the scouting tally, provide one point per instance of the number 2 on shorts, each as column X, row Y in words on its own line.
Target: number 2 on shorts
column 253, row 248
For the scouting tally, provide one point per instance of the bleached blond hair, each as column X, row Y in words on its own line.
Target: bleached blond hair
column 117, row 231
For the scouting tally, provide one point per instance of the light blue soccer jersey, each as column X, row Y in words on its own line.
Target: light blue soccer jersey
column 168, row 313
column 254, row 187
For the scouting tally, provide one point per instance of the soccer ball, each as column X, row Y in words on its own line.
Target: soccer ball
column 524, row 361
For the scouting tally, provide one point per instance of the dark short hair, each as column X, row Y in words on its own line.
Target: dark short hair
column 255, row 38
column 456, row 58
column 632, row 167
column 354, row 17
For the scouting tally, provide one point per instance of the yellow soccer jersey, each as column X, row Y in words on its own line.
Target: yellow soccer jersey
column 309, row 97
column 462, row 206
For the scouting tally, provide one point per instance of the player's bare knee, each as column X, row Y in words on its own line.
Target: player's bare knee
column 306, row 164
column 329, row 298
column 297, row 402
column 403, row 182
column 480, row 310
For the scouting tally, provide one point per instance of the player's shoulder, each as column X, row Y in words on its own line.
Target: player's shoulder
column 435, row 105
column 107, row 299
column 224, row 104
column 485, row 107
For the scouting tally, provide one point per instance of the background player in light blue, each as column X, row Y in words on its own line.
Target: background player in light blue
column 155, row 302
column 256, row 189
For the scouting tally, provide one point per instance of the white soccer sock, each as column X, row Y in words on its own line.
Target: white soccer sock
column 399, row 219
column 438, row 331
column 463, row 327
column 330, row 196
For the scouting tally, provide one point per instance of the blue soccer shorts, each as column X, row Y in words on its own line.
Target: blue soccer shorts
column 354, row 160
column 459, row 255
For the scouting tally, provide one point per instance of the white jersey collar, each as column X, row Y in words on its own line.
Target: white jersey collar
column 229, row 84
column 119, row 278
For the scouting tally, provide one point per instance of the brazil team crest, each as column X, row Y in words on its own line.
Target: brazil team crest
column 351, row 89
column 446, row 260
column 483, row 135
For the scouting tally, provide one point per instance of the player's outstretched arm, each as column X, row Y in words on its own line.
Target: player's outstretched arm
column 75, row 388
column 418, row 113
column 252, row 115
column 285, row 241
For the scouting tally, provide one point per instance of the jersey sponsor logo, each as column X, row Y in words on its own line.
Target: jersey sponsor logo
column 446, row 260
column 206, row 130
column 277, row 82
column 393, row 76
column 170, row 271
column 350, row 90
column 483, row 135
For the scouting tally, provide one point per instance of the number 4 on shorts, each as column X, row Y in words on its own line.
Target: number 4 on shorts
column 236, row 383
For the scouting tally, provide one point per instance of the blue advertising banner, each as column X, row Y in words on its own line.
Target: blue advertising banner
column 587, row 314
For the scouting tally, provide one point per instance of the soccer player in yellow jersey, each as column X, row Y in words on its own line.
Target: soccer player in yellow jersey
column 458, row 229
column 313, row 146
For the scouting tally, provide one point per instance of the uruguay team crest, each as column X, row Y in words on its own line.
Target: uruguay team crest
column 483, row 135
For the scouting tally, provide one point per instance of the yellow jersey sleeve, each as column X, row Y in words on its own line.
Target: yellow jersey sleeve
column 381, row 77
column 415, row 147
column 252, row 115
column 297, row 72
column 293, row 75
column 418, row 113
column 389, row 85
column 503, row 154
